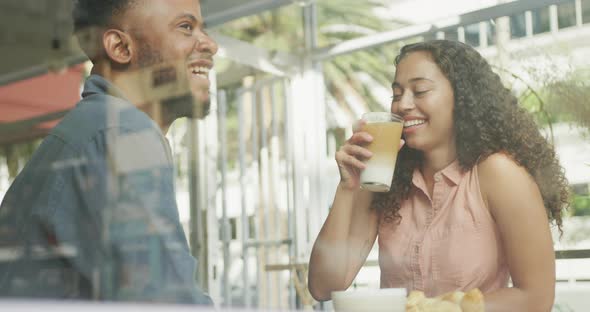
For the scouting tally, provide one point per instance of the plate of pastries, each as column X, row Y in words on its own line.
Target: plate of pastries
column 456, row 301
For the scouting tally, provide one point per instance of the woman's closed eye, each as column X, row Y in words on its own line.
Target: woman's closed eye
column 420, row 93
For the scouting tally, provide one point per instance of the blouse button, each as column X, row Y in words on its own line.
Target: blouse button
column 437, row 178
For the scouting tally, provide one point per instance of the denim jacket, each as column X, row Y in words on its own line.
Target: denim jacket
column 93, row 214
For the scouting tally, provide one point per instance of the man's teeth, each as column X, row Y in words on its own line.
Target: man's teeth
column 203, row 71
column 413, row 122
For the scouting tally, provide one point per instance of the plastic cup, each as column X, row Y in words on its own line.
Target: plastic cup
column 386, row 130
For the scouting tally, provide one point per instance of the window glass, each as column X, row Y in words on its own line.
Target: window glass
column 452, row 34
column 491, row 32
column 541, row 22
column 103, row 197
column 517, row 26
column 566, row 15
column 472, row 35
column 585, row 11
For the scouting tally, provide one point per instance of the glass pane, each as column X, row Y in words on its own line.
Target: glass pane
column 585, row 11
column 105, row 210
column 581, row 189
column 452, row 34
column 368, row 73
column 541, row 20
column 343, row 20
column 517, row 26
column 472, row 35
column 491, row 32
column 110, row 217
column 271, row 30
column 581, row 199
column 566, row 15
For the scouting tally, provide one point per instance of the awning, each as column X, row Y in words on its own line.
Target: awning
column 31, row 107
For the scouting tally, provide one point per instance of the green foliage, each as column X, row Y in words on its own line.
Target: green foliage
column 561, row 97
column 581, row 205
column 568, row 99
column 553, row 94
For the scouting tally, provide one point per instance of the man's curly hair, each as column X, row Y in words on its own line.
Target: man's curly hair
column 89, row 13
column 487, row 120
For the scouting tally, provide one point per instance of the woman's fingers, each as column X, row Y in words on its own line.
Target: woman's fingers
column 352, row 156
column 360, row 138
column 357, row 151
column 353, row 153
column 351, row 162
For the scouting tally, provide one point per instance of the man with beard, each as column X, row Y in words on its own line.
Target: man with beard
column 93, row 214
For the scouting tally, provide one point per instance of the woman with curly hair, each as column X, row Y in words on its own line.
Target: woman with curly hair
column 475, row 188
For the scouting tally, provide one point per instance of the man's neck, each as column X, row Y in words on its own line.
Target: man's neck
column 158, row 114
column 129, row 84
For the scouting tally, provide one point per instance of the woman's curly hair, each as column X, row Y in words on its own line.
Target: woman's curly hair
column 487, row 120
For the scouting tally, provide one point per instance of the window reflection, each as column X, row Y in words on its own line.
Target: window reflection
column 541, row 22
column 566, row 15
column 491, row 32
column 581, row 201
column 472, row 35
column 452, row 34
column 46, row 274
column 91, row 212
column 586, row 11
column 518, row 26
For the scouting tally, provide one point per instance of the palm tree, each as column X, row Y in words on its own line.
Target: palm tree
column 349, row 78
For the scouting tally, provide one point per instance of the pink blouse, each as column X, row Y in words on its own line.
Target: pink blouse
column 445, row 243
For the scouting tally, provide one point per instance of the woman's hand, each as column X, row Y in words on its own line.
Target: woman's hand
column 351, row 155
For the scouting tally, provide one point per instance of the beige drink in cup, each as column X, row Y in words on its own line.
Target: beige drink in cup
column 386, row 130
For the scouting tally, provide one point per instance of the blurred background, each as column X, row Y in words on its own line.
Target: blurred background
column 255, row 179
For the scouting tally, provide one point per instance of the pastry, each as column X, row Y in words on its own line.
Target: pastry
column 456, row 301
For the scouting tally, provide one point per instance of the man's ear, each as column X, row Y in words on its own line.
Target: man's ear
column 118, row 46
